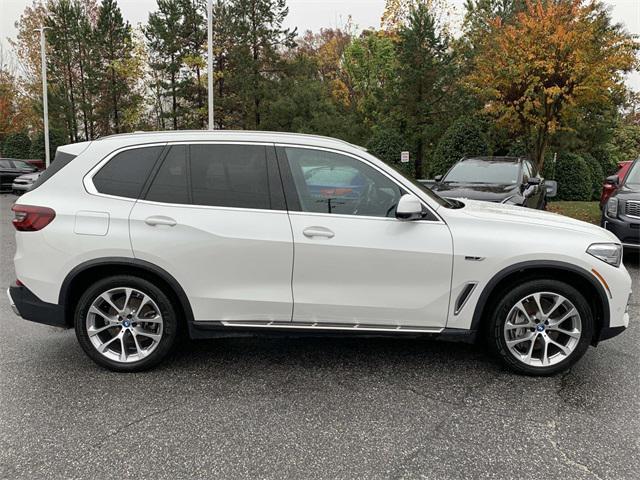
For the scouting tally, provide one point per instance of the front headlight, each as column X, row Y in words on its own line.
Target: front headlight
column 610, row 253
column 612, row 207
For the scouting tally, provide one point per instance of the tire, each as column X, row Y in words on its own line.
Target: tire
column 133, row 315
column 521, row 336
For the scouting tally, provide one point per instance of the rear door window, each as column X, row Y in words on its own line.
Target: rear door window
column 230, row 176
column 126, row 173
column 170, row 184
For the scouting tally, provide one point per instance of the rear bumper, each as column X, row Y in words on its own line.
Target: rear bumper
column 26, row 305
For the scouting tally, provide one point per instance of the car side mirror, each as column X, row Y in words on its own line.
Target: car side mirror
column 552, row 188
column 409, row 208
column 613, row 180
column 534, row 181
column 438, row 178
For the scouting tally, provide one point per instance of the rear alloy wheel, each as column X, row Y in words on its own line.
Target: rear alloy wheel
column 541, row 327
column 125, row 323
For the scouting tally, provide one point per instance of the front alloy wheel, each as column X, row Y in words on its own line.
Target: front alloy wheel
column 540, row 327
column 125, row 323
column 543, row 329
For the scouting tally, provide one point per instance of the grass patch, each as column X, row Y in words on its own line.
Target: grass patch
column 585, row 211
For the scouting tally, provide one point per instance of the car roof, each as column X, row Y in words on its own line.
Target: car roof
column 229, row 135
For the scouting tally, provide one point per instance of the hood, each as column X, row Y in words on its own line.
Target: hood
column 476, row 191
column 528, row 216
column 628, row 192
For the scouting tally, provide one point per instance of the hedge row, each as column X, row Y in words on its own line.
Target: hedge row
column 579, row 177
column 19, row 145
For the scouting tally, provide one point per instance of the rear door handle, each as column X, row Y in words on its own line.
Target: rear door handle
column 160, row 220
column 311, row 232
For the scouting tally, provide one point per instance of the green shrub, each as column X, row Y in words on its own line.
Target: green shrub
column 597, row 175
column 16, row 145
column 465, row 137
column 387, row 145
column 56, row 138
column 574, row 178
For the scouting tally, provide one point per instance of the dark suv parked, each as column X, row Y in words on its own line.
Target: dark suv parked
column 621, row 214
column 509, row 180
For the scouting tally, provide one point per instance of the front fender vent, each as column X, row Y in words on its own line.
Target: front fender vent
column 464, row 296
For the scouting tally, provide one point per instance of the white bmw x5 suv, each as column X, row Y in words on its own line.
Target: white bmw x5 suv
column 132, row 238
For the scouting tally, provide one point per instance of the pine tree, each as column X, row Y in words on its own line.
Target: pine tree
column 424, row 80
column 117, row 74
column 166, row 53
column 257, row 25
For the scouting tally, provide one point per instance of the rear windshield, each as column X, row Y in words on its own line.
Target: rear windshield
column 60, row 161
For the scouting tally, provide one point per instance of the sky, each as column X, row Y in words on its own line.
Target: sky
column 315, row 14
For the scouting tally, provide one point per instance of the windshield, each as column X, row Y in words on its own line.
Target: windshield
column 484, row 171
column 23, row 165
column 633, row 177
column 434, row 196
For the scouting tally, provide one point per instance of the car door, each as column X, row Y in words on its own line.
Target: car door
column 355, row 263
column 214, row 218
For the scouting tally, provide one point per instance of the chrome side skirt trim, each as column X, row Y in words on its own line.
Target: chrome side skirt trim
column 331, row 326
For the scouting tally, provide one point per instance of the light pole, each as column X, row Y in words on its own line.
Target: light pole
column 45, row 100
column 210, row 62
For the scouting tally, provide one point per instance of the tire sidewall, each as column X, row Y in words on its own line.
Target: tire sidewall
column 167, row 310
column 506, row 302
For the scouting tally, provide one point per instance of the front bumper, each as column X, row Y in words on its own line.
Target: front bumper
column 26, row 305
column 626, row 230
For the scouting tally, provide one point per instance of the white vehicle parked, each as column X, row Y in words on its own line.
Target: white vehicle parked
column 24, row 183
column 133, row 237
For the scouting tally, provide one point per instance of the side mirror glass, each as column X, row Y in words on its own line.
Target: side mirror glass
column 613, row 180
column 409, row 208
column 437, row 178
column 552, row 188
column 534, row 181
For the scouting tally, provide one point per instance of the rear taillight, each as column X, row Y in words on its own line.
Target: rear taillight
column 28, row 218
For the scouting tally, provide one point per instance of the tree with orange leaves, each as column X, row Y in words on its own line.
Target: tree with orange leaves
column 552, row 59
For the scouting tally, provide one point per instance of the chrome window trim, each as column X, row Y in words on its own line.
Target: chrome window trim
column 410, row 188
column 92, row 190
column 210, row 207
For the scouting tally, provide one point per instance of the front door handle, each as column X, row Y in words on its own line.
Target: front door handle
column 311, row 232
column 158, row 220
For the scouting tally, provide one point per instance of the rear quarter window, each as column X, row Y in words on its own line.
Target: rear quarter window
column 126, row 173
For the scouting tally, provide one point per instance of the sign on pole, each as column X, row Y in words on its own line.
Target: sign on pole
column 404, row 157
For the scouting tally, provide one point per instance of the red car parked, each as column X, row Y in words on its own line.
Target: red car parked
column 612, row 183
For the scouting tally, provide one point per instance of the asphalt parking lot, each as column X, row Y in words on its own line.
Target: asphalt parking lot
column 311, row 408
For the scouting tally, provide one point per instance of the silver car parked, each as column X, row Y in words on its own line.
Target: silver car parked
column 24, row 183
